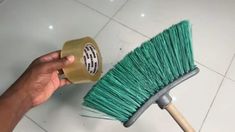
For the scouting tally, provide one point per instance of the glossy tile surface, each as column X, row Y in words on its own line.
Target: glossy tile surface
column 107, row 7
column 67, row 106
column 193, row 97
column 26, row 125
column 32, row 28
column 212, row 22
column 115, row 41
column 221, row 117
column 186, row 94
column 62, row 112
column 231, row 71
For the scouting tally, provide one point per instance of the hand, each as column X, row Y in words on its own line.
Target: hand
column 41, row 79
column 35, row 86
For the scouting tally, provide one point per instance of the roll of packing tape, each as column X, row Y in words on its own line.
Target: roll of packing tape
column 87, row 66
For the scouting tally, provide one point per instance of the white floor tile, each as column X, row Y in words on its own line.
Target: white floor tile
column 26, row 125
column 213, row 40
column 193, row 97
column 221, row 117
column 62, row 111
column 213, row 26
column 231, row 71
column 107, row 7
column 115, row 41
column 152, row 16
column 32, row 28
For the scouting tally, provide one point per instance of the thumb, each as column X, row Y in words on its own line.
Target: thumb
column 59, row 64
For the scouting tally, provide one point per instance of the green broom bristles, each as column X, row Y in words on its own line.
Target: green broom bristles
column 143, row 72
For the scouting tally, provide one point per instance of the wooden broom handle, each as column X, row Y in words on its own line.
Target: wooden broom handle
column 179, row 118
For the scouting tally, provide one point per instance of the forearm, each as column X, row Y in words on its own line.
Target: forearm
column 13, row 105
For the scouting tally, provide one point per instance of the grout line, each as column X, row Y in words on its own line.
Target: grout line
column 119, row 9
column 216, row 71
column 230, row 79
column 91, row 8
column 110, row 19
column 209, row 68
column 102, row 28
column 36, row 123
column 131, row 28
column 216, row 94
column 224, row 76
column 207, row 113
column 97, row 12
column 134, row 30
column 233, row 59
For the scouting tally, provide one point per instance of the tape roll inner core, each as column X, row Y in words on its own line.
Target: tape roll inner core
column 90, row 57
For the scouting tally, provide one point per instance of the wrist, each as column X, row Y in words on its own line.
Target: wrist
column 13, row 105
column 24, row 99
column 17, row 97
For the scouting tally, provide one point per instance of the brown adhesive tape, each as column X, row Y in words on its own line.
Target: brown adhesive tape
column 87, row 66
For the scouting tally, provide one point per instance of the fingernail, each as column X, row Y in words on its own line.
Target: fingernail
column 70, row 58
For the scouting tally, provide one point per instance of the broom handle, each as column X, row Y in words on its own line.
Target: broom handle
column 182, row 122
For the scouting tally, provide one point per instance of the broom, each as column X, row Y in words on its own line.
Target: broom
column 145, row 76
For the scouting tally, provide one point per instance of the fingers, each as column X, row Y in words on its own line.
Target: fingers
column 50, row 56
column 64, row 82
column 59, row 64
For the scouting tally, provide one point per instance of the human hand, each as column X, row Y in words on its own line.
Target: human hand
column 41, row 78
column 35, row 86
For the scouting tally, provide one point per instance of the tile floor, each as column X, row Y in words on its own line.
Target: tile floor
column 30, row 28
